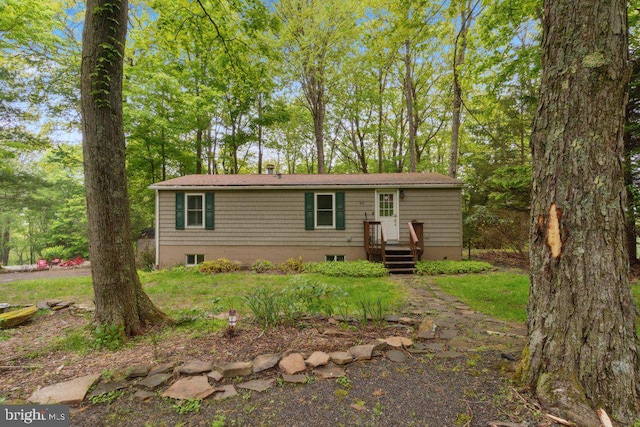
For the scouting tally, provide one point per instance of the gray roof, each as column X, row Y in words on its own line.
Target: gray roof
column 266, row 181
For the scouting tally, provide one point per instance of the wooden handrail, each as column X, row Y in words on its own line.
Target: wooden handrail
column 374, row 240
column 416, row 239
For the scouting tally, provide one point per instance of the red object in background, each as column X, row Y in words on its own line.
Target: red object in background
column 72, row 263
column 42, row 264
column 56, row 261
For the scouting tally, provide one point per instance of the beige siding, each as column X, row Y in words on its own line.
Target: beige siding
column 272, row 222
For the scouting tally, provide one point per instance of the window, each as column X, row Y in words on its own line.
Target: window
column 195, row 259
column 195, row 208
column 324, row 210
column 334, row 257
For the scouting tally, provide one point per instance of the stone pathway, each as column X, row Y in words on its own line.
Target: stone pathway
column 441, row 326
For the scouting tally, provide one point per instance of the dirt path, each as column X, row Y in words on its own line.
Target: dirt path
column 456, row 374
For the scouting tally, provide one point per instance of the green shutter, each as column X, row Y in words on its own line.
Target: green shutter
column 340, row 211
column 209, row 211
column 308, row 211
column 179, row 211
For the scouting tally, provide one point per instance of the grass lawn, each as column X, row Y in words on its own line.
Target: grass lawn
column 180, row 290
column 502, row 295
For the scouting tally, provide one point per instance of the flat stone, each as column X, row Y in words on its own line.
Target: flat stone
column 449, row 354
column 398, row 342
column 462, row 344
column 396, row 356
column 67, row 392
column 434, row 346
column 427, row 325
column 152, row 382
column 341, row 357
column 258, row 385
column 408, row 321
column 293, row 363
column 137, row 371
column 85, row 307
column 362, row 352
column 426, row 335
column 296, row 379
column 318, row 358
column 143, row 395
column 215, row 375
column 329, row 371
column 190, row 388
column 225, row 392
column 47, row 304
column 194, row 367
column 264, row 362
column 448, row 334
column 165, row 368
column 393, row 318
column 61, row 305
column 103, row 388
column 235, row 369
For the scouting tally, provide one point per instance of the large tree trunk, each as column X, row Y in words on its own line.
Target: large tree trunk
column 583, row 349
column 119, row 297
column 458, row 61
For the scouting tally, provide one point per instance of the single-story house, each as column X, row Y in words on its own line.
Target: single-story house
column 316, row 217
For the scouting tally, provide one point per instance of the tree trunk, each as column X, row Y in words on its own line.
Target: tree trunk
column 408, row 90
column 119, row 297
column 583, row 349
column 458, row 60
column 260, row 154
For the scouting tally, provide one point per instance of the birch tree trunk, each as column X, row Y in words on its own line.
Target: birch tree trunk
column 119, row 297
column 583, row 349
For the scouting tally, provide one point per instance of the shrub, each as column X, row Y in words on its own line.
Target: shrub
column 263, row 266
column 292, row 266
column 220, row 265
column 54, row 252
column 360, row 268
column 428, row 268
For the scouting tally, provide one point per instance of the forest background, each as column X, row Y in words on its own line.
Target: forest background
column 332, row 86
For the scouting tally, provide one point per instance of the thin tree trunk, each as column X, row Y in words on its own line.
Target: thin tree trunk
column 458, row 61
column 260, row 134
column 583, row 349
column 119, row 297
column 408, row 90
column 199, row 151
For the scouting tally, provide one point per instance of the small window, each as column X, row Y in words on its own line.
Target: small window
column 195, row 259
column 334, row 257
column 325, row 212
column 195, row 210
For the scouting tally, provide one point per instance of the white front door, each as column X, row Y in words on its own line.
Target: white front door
column 387, row 214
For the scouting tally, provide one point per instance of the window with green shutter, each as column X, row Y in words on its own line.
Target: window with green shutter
column 324, row 210
column 309, row 213
column 179, row 211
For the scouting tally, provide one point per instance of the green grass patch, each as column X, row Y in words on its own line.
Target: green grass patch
column 432, row 268
column 502, row 295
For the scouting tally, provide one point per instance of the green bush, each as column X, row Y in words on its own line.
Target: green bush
column 430, row 268
column 263, row 266
column 220, row 265
column 292, row 266
column 360, row 268
column 54, row 252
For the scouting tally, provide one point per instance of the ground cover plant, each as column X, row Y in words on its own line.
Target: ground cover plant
column 430, row 268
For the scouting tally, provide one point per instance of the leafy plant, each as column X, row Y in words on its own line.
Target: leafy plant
column 265, row 306
column 107, row 397
column 292, row 266
column 429, row 268
column 344, row 382
column 220, row 265
column 187, row 406
column 219, row 420
column 360, row 268
column 263, row 266
column 109, row 337
column 374, row 310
